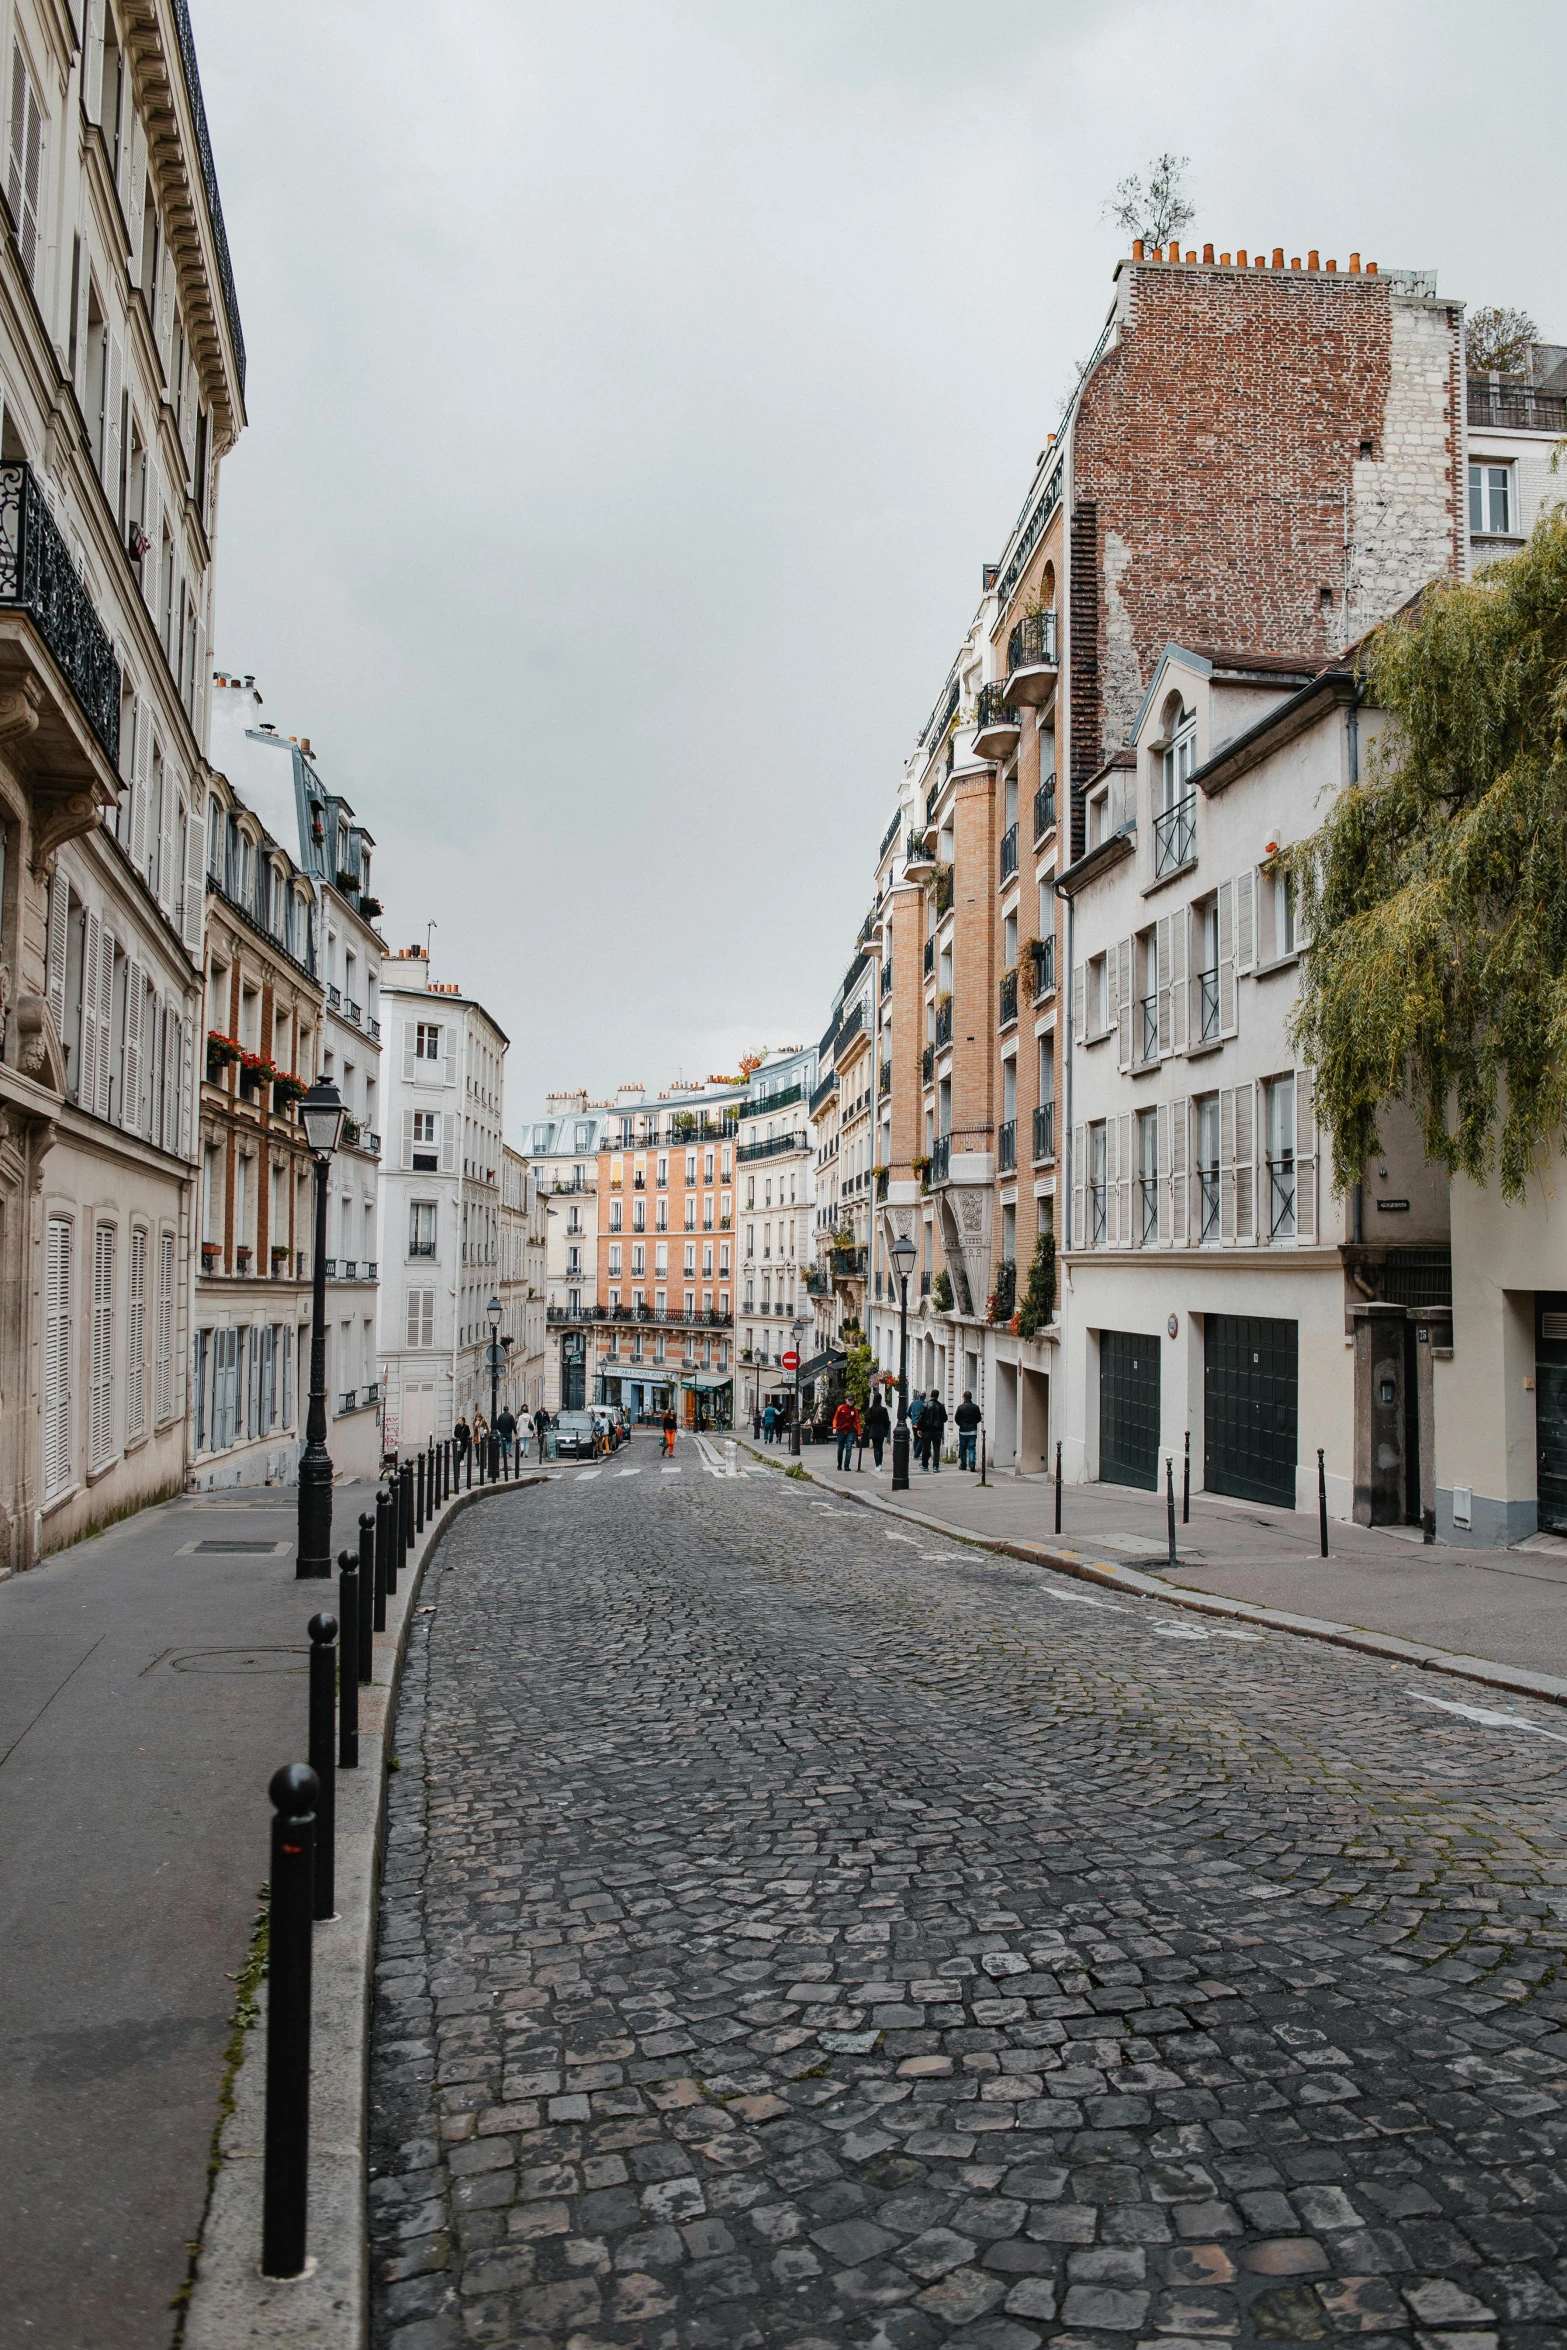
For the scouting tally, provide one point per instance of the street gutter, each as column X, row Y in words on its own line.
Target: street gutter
column 1517, row 1679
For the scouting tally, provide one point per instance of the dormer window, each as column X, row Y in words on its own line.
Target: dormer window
column 1175, row 819
column 1099, row 817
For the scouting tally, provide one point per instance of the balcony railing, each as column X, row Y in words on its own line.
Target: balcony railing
column 1045, row 1131
column 824, row 1092
column 1032, row 643
column 373, row 1030
column 1004, row 1295
column 767, row 1104
column 996, row 725
column 1008, row 998
column 1009, row 852
column 1516, row 407
column 334, row 997
column 1148, row 1197
column 1006, row 1146
column 1044, row 809
column 1208, row 1005
column 1044, row 966
column 1281, row 1199
column 1098, row 1199
column 930, row 956
column 943, row 1024
column 884, row 1080
column 37, row 576
column 941, row 1159
column 917, row 850
column 1175, row 836
column 928, row 1063
column 1207, row 1203
column 886, row 979
column 749, row 1151
column 1148, row 1005
column 943, row 890
column 849, row 1264
column 353, row 1011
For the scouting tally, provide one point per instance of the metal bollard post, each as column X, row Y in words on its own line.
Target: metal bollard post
column 446, row 1470
column 285, row 2184
column 348, row 1601
column 1058, row 1488
column 1186, row 1483
column 323, row 1725
column 433, row 1481
column 394, row 1534
column 472, row 1449
column 982, row 1456
column 1169, row 1488
column 408, row 1507
column 1322, row 1501
column 419, row 1494
column 367, row 1586
column 375, row 1593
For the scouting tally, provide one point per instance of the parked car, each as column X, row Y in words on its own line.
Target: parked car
column 575, row 1436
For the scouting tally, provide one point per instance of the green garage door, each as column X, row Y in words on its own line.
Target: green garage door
column 1251, row 1389
column 1550, row 1409
column 1129, row 1409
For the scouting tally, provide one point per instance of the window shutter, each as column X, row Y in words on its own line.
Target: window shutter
column 1178, row 1177
column 1079, row 1001
column 141, row 736
column 1178, row 982
column 133, row 191
column 1245, row 1163
column 130, row 1057
column 57, row 1357
column 136, row 1337
column 87, row 1034
column 1227, row 1163
column 101, row 1094
column 1305, row 1157
column 1079, row 1230
column 195, row 874
column 25, row 175
column 1123, row 1186
column 164, row 1402
column 449, row 1039
column 200, row 680
column 59, row 944
column 1161, row 950
column 1123, row 1002
column 1245, row 920
column 102, row 1398
column 1112, row 1188
column 92, row 62
column 166, row 836
column 1162, row 1190
column 1226, row 958
column 449, row 1142
column 114, row 377
column 410, row 1038
column 408, row 1140
column 174, row 1086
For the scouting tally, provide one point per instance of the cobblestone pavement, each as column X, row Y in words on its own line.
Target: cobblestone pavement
column 797, row 1932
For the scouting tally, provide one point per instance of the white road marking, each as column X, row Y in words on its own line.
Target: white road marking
column 757, row 1471
column 628, row 1472
column 909, row 1538
column 584, row 1474
column 1482, row 1713
column 1081, row 1599
column 1223, row 1632
column 668, row 1472
column 1177, row 1632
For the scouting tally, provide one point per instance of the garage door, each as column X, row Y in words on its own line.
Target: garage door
column 1129, row 1409
column 1251, row 1393
column 1550, row 1409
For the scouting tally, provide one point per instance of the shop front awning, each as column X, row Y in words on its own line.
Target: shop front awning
column 819, row 1365
column 706, row 1386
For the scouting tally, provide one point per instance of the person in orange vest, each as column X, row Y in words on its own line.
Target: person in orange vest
column 846, row 1427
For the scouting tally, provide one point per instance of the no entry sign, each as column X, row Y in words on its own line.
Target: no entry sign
column 790, row 1361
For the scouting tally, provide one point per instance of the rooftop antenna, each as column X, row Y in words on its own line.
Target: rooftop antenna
column 429, row 929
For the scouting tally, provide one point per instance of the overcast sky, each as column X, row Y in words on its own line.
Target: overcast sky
column 635, row 390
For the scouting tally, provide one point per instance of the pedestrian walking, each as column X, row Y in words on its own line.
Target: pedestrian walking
column 541, row 1423
column 933, row 1422
column 878, row 1427
column 506, row 1430
column 669, row 1425
column 846, row 1427
column 916, row 1413
column 770, row 1423
column 462, row 1438
column 968, row 1417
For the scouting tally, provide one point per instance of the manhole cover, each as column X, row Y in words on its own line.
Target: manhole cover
column 242, row 1660
column 233, row 1549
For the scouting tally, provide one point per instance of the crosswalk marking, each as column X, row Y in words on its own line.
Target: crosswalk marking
column 584, row 1474
column 628, row 1472
column 668, row 1472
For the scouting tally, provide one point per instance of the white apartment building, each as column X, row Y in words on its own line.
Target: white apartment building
column 563, row 1154
column 440, row 1199
column 279, row 779
column 843, row 1108
column 775, row 1186
column 121, row 387
column 522, row 1285
column 1216, row 1287
column 1515, row 424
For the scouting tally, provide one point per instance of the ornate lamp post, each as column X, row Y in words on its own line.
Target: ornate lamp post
column 321, row 1114
column 796, row 1332
column 902, row 1253
column 493, row 1309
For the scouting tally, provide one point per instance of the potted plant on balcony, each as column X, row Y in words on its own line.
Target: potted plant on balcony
column 279, row 1259
column 211, row 1256
column 221, row 1050
column 941, row 1292
column 371, row 908
column 242, row 1257
column 1039, row 1296
column 286, row 1090
column 352, row 1131
column 921, row 1167
column 255, row 1070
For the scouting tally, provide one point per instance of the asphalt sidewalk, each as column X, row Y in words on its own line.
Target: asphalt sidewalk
column 150, row 1684
column 1506, row 1605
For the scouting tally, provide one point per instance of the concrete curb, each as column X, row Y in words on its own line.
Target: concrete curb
column 1516, row 1679
column 232, row 2304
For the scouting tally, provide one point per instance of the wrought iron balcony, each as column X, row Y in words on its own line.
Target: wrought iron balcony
column 849, row 1264
column 352, row 1011
column 884, row 1080
column 1006, row 1147
column 765, row 1106
column 943, row 1023
column 1044, row 960
column 824, row 1092
column 1045, row 1131
column 1208, row 1005
column 1148, row 1006
column 941, row 1159
column 1148, row 1221
column 918, row 855
column 1032, row 667
column 780, row 1144
column 930, row 956
column 928, row 1063
column 1207, row 1203
column 1045, row 809
column 38, row 577
column 334, row 997
column 1009, row 852
column 1516, row 407
column 1281, row 1199
column 997, row 725
column 373, row 1030
column 1008, row 998
column 886, row 979
column 1175, row 836
column 943, row 890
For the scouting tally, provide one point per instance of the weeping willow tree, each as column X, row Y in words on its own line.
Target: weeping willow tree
column 1436, row 891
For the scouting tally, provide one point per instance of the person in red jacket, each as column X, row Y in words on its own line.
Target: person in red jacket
column 846, row 1427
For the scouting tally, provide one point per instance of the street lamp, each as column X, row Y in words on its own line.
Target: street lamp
column 902, row 1254
column 493, row 1309
column 321, row 1114
column 796, row 1332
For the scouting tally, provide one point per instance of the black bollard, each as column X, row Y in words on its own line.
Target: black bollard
column 1058, row 1488
column 433, row 1480
column 367, row 1586
column 349, row 1587
column 406, row 1514
column 495, row 1458
column 419, row 1494
column 285, row 2188
column 1186, row 1483
column 447, row 1478
column 982, row 1456
column 323, row 1726
column 394, row 1536
column 472, row 1449
column 1169, row 1488
column 375, row 1597
column 1322, row 1501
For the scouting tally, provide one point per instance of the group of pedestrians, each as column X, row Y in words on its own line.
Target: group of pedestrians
column 928, row 1417
column 469, row 1436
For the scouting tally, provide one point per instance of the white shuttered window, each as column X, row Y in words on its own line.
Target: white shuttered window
column 57, row 1357
column 102, row 1403
column 136, row 1337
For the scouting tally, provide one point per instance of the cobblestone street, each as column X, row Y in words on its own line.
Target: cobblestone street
column 797, row 1931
